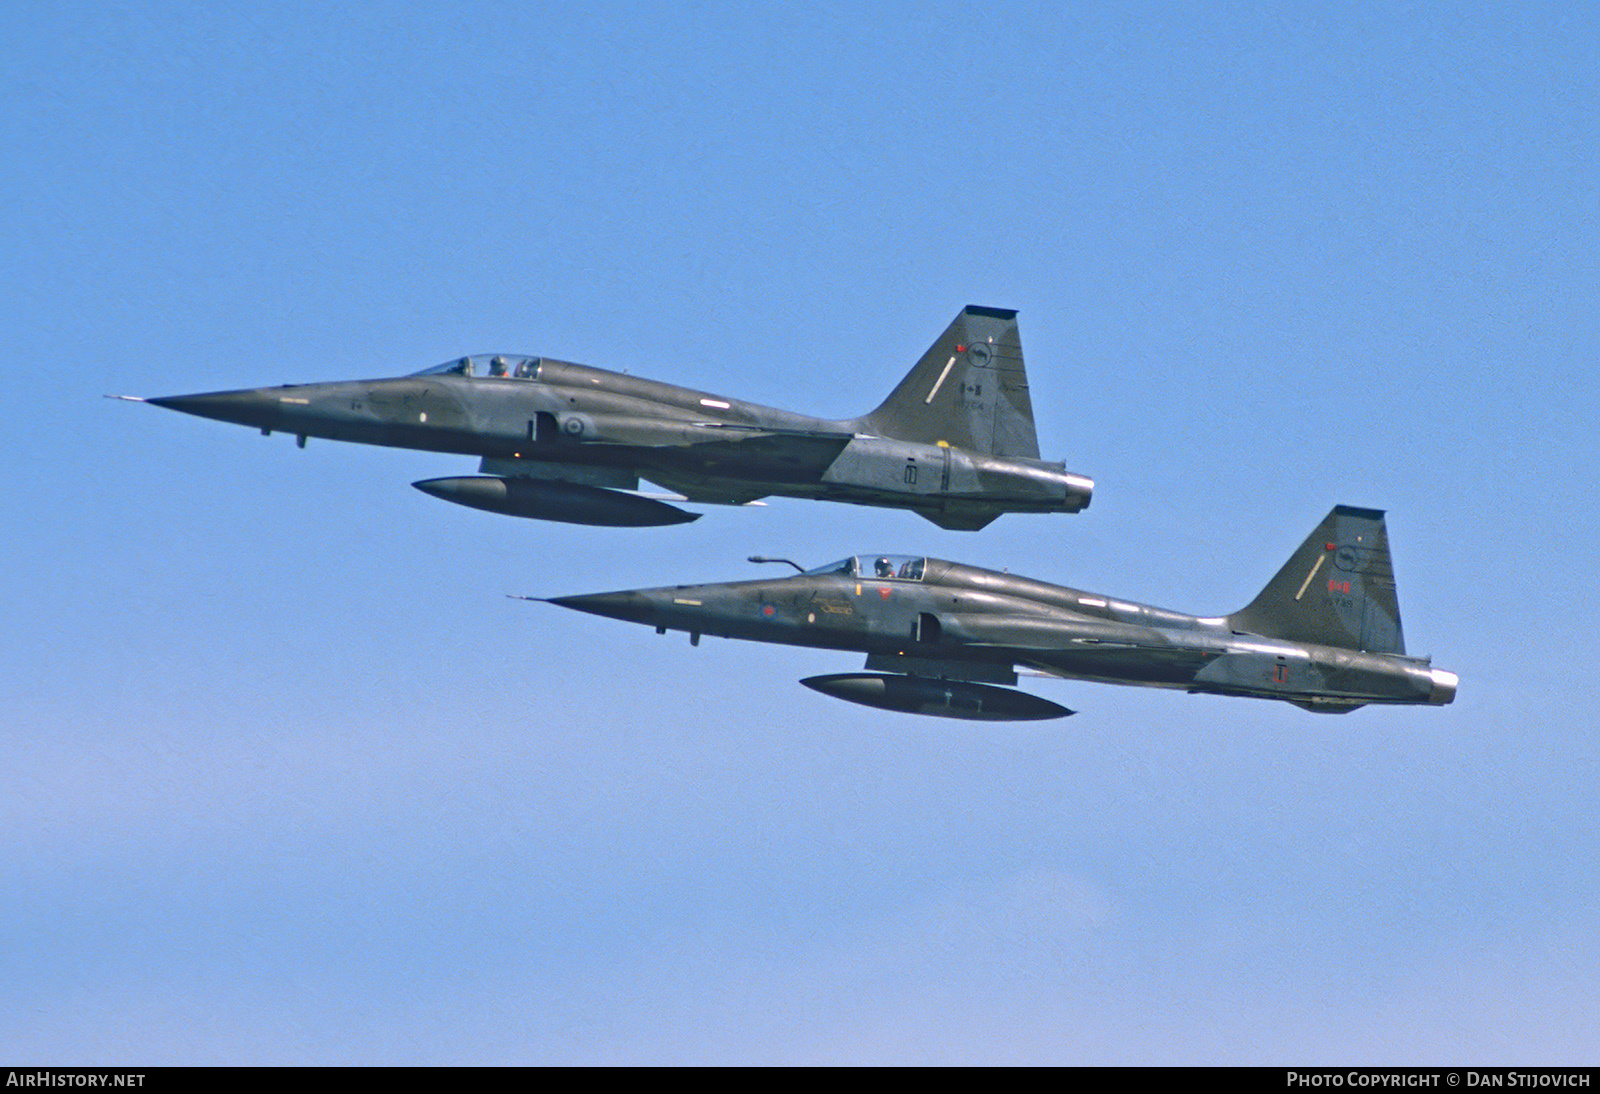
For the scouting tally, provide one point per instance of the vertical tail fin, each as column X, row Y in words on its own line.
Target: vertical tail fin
column 969, row 390
column 1338, row 589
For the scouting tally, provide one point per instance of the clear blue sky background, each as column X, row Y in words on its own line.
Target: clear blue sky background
column 284, row 777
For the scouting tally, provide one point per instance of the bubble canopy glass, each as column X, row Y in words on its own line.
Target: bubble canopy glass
column 876, row 567
column 504, row 365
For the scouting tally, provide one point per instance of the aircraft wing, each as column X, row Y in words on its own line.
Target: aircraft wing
column 1022, row 632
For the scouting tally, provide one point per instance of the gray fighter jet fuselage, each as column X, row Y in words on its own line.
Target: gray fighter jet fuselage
column 954, row 442
column 1324, row 634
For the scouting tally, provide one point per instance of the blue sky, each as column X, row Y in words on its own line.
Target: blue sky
column 285, row 778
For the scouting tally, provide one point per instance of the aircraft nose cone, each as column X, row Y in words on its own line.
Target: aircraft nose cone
column 630, row 605
column 253, row 408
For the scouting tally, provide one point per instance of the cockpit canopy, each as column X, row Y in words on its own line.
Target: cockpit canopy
column 876, row 567
column 500, row 365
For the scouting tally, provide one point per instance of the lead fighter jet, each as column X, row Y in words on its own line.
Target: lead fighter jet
column 954, row 442
column 1324, row 634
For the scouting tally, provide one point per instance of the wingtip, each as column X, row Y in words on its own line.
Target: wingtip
column 129, row 398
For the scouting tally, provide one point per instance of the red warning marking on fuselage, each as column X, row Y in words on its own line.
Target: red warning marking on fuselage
column 883, row 591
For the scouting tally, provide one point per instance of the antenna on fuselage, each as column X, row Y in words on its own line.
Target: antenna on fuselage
column 790, row 561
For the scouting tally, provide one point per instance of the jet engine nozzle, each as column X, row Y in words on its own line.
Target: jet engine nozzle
column 1444, row 687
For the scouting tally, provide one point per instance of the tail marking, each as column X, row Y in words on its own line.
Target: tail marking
column 940, row 381
column 1356, row 610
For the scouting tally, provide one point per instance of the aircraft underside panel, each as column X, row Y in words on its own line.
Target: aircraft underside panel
column 611, row 478
column 986, row 672
column 790, row 462
column 1304, row 678
column 878, row 465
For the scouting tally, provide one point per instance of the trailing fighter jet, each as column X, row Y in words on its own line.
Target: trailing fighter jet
column 954, row 441
column 1324, row 634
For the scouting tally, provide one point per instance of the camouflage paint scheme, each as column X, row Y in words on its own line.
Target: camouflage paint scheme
column 1323, row 634
column 954, row 442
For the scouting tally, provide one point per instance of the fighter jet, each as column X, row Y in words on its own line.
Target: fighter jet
column 953, row 442
column 1324, row 634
